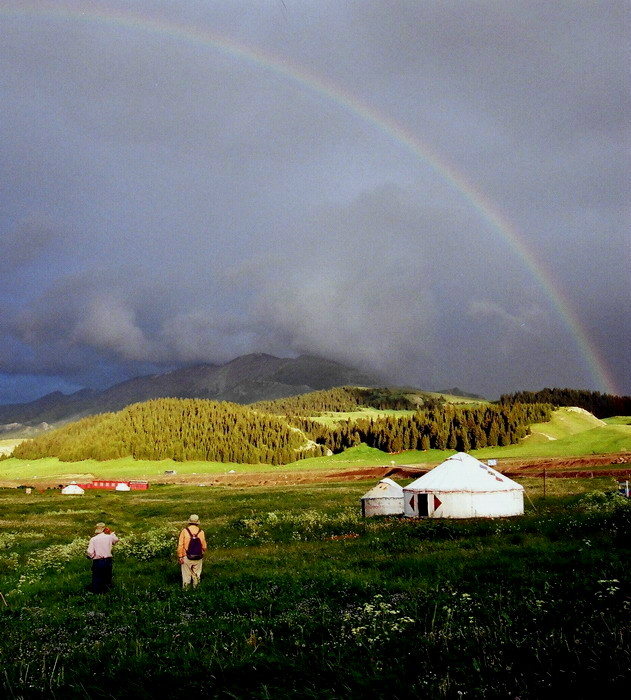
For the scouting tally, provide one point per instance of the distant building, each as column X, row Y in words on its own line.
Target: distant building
column 115, row 485
column 73, row 489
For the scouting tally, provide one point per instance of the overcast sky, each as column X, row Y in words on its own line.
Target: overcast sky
column 437, row 191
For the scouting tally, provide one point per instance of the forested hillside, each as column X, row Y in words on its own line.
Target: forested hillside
column 601, row 405
column 179, row 429
column 451, row 427
column 197, row 429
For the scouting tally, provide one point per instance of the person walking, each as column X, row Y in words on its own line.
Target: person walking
column 191, row 546
column 100, row 551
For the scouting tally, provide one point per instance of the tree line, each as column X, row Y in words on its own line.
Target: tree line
column 449, row 427
column 601, row 405
column 204, row 430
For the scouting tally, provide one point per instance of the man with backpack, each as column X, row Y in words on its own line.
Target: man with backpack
column 191, row 546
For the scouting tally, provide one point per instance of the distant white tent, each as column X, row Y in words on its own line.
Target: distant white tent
column 463, row 487
column 386, row 498
column 122, row 486
column 73, row 489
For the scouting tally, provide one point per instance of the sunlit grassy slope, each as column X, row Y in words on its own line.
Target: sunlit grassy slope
column 332, row 417
column 571, row 432
column 618, row 420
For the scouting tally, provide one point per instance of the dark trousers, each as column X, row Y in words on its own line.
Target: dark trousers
column 101, row 575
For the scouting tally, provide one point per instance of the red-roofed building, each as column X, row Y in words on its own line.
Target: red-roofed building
column 112, row 484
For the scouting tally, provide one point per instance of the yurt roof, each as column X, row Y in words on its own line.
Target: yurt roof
column 386, row 488
column 72, row 489
column 462, row 472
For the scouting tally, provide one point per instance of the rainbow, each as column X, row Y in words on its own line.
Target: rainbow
column 84, row 11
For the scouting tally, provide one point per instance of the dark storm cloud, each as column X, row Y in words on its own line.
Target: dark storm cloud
column 26, row 241
column 168, row 201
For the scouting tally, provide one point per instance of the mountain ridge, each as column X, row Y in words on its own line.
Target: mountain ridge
column 245, row 379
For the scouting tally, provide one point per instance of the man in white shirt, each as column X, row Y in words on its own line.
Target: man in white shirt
column 100, row 551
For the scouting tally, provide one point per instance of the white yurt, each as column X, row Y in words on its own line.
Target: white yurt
column 73, row 489
column 386, row 498
column 463, row 487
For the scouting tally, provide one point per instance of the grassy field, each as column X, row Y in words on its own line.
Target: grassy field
column 302, row 598
column 618, row 420
column 333, row 417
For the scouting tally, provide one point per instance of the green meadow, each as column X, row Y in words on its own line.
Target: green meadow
column 302, row 598
column 571, row 432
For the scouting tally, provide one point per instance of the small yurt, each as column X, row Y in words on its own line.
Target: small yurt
column 73, row 489
column 386, row 498
column 463, row 487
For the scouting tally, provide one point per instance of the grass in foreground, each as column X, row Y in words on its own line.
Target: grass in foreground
column 302, row 598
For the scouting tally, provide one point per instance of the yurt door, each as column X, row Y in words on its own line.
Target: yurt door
column 422, row 504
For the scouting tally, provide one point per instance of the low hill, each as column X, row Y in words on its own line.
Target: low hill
column 350, row 398
column 250, row 378
column 198, row 429
column 178, row 429
column 571, row 431
column 569, row 436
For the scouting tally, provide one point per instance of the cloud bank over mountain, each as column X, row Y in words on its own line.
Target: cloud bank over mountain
column 192, row 182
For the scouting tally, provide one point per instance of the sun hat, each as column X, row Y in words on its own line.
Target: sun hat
column 99, row 528
column 194, row 519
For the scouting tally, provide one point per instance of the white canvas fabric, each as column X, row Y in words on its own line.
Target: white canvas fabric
column 463, row 487
column 386, row 498
column 384, row 489
column 72, row 490
column 462, row 472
